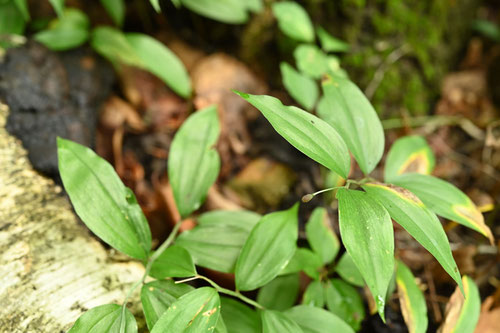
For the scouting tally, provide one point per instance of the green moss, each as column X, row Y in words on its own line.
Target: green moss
column 411, row 44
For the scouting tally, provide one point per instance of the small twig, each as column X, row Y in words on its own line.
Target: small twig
column 473, row 164
column 393, row 57
column 433, row 295
column 436, row 121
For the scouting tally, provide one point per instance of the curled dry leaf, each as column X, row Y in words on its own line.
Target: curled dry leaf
column 188, row 55
column 116, row 112
column 262, row 184
column 462, row 310
column 488, row 319
column 163, row 108
column 216, row 200
column 213, row 79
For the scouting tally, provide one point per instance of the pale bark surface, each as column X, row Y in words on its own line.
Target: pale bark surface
column 52, row 269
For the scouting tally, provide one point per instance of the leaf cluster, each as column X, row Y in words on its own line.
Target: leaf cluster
column 262, row 251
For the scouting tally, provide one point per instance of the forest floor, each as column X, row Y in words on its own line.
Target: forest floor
column 260, row 171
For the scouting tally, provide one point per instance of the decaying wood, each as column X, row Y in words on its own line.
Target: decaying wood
column 51, row 268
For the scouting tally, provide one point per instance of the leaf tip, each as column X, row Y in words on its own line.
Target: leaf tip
column 241, row 94
column 380, row 301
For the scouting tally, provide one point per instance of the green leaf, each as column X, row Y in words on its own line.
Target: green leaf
column 333, row 67
column 293, row 20
column 221, row 326
column 110, row 318
column 115, row 9
column 22, row 5
column 409, row 154
column 156, row 4
column 445, row 200
column 407, row 210
column 463, row 310
column 487, row 29
column 311, row 60
column 112, row 44
column 304, row 260
column 344, row 301
column 243, row 219
column 11, row 19
column 194, row 312
column 175, row 261
column 217, row 240
column 66, row 32
column 321, row 236
column 274, row 321
column 301, row 87
column 368, row 236
column 348, row 271
column 157, row 296
column 330, row 43
column 101, row 200
column 254, row 5
column 281, row 293
column 226, row 11
column 411, row 299
column 239, row 317
column 268, row 249
column 315, row 320
column 159, row 60
column 314, row 295
column 193, row 163
column 58, row 6
column 306, row 132
column 347, row 110
column 142, row 51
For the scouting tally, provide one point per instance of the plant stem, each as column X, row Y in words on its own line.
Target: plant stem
column 220, row 289
column 165, row 244
column 152, row 259
column 308, row 197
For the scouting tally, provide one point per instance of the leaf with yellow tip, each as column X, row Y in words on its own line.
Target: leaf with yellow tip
column 462, row 311
column 411, row 299
column 407, row 210
column 445, row 200
column 409, row 154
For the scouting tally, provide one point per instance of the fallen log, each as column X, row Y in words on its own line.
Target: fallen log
column 52, row 269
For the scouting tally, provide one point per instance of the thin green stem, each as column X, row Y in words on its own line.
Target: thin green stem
column 152, row 259
column 165, row 244
column 220, row 289
column 308, row 197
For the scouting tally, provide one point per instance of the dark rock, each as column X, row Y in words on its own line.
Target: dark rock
column 52, row 94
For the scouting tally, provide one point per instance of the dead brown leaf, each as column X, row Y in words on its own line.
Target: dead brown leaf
column 262, row 184
column 452, row 312
column 213, row 80
column 116, row 113
column 489, row 319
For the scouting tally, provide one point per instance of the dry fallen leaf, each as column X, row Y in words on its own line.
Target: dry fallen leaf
column 116, row 113
column 489, row 319
column 262, row 184
column 213, row 78
column 462, row 310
